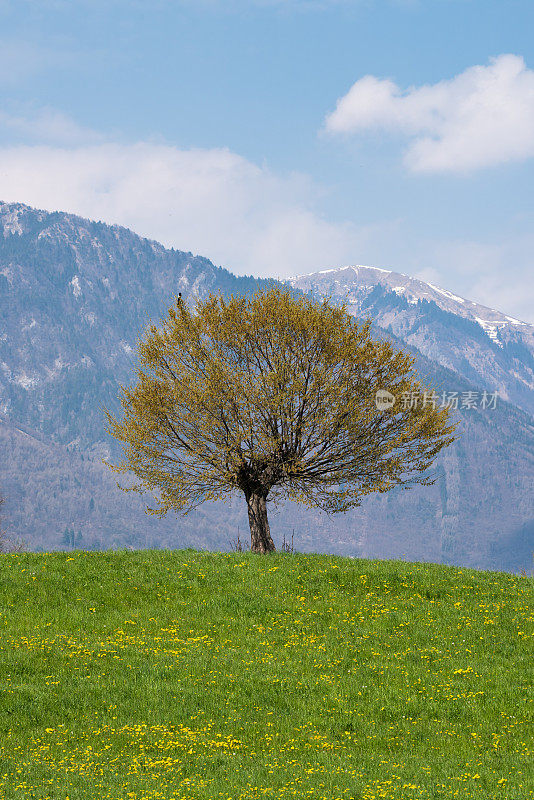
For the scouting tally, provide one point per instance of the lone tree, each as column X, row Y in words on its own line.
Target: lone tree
column 274, row 397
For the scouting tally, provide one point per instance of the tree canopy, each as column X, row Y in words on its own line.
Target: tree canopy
column 273, row 396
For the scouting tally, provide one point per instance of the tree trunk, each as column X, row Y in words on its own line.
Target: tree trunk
column 260, row 535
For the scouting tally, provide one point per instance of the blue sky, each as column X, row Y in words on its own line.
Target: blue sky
column 279, row 137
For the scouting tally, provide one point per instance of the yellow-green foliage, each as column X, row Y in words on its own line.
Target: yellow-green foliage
column 273, row 394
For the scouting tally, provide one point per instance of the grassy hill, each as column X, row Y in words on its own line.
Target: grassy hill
column 189, row 675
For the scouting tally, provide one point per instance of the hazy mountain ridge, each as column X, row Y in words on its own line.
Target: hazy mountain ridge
column 74, row 297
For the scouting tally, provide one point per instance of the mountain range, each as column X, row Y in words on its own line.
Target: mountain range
column 488, row 347
column 75, row 296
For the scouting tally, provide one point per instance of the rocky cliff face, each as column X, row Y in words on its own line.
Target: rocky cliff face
column 75, row 295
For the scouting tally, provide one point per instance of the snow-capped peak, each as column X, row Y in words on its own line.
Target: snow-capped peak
column 349, row 282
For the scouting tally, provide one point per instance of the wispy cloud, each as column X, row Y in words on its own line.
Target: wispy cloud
column 482, row 117
column 46, row 125
column 211, row 202
column 241, row 215
column 482, row 271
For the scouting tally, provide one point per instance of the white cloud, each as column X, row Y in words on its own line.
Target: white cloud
column 482, row 117
column 247, row 218
column 496, row 271
column 47, row 125
column 212, row 202
column 497, row 275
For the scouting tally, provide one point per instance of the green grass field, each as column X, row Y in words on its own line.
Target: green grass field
column 184, row 674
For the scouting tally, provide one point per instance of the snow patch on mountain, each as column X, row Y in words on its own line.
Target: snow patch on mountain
column 56, row 369
column 401, row 290
column 492, row 329
column 355, row 268
column 76, row 288
column 32, row 324
column 445, row 293
column 516, row 321
column 25, row 381
column 11, row 223
column 7, row 273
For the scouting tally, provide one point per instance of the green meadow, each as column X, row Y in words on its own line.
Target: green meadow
column 185, row 675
